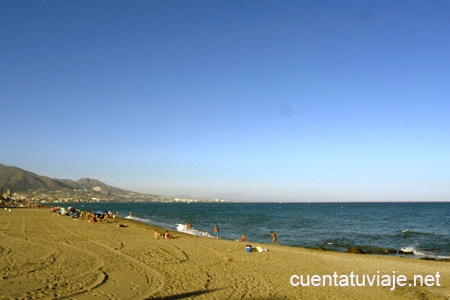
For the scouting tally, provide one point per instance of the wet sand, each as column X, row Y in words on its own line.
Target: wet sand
column 44, row 256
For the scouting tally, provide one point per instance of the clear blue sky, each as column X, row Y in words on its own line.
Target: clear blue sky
column 239, row 100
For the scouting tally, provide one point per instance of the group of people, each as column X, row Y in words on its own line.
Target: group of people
column 104, row 215
column 166, row 235
column 91, row 217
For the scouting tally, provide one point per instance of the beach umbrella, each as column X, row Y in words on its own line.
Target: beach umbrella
column 100, row 213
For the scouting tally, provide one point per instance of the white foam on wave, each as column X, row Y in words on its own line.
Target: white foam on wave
column 192, row 231
column 138, row 219
column 150, row 222
column 413, row 250
column 417, row 232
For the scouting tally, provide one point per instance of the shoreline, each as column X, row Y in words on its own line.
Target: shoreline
column 393, row 238
column 388, row 252
column 48, row 256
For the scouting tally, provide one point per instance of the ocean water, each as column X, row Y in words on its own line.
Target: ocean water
column 406, row 229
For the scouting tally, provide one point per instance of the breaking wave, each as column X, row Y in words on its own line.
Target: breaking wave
column 192, row 231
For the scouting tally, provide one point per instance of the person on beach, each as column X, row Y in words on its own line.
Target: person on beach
column 243, row 238
column 216, row 232
column 274, row 238
column 157, row 234
column 167, row 235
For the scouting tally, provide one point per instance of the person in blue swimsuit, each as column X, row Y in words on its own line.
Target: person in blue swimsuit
column 216, row 232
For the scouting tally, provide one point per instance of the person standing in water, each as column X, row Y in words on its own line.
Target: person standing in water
column 274, row 238
column 216, row 231
column 243, row 238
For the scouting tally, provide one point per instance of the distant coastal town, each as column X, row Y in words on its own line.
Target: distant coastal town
column 33, row 198
column 21, row 188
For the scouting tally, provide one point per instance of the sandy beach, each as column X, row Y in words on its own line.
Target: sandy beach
column 45, row 256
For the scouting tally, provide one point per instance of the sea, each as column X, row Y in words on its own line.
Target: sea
column 416, row 230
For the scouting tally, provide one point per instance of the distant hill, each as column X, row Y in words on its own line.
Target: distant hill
column 16, row 179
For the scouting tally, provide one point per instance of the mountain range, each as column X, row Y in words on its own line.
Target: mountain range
column 19, row 180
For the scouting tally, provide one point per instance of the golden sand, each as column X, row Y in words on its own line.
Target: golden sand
column 44, row 256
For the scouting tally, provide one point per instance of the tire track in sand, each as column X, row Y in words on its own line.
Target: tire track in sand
column 143, row 281
column 51, row 275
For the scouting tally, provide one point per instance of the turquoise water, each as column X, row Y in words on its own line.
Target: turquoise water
column 410, row 229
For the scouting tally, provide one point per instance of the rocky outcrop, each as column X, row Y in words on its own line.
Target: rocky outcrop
column 354, row 250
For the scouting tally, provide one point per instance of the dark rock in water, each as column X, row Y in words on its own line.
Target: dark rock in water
column 436, row 259
column 428, row 258
column 322, row 248
column 355, row 250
